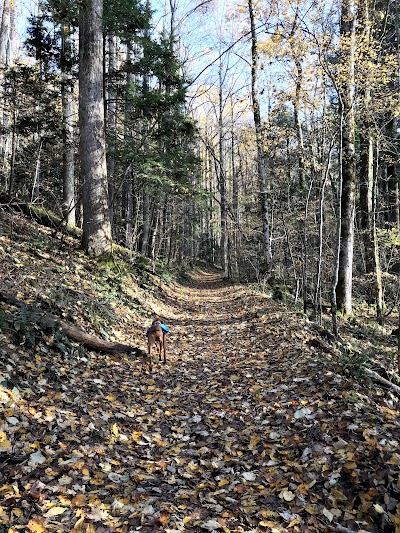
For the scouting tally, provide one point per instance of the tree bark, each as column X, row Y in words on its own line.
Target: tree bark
column 266, row 243
column 393, row 185
column 297, row 120
column 146, row 222
column 235, row 201
column 367, row 181
column 348, row 167
column 366, row 194
column 96, row 239
column 7, row 30
column 222, row 179
column 128, row 185
column 69, row 201
column 111, row 122
column 366, row 144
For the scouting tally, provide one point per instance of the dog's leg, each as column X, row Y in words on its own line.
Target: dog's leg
column 149, row 351
column 159, row 349
column 165, row 348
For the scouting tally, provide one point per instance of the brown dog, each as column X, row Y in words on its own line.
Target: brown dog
column 156, row 339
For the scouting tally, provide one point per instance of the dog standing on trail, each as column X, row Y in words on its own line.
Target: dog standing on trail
column 156, row 339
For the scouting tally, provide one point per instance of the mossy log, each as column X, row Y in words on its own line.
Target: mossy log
column 47, row 320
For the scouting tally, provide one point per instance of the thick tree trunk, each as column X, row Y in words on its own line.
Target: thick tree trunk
column 96, row 238
column 111, row 122
column 348, row 168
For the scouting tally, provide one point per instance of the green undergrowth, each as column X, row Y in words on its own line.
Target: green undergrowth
column 51, row 274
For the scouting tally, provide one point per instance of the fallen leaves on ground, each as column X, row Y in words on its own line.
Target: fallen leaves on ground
column 247, row 428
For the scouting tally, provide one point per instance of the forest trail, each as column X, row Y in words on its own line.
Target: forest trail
column 250, row 429
column 247, row 429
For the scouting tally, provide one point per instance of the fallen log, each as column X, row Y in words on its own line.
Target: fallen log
column 377, row 377
column 47, row 321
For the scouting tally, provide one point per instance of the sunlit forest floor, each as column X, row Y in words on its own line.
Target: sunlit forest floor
column 250, row 426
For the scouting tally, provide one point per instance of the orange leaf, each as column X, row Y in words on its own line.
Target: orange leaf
column 79, row 500
column 36, row 525
column 165, row 517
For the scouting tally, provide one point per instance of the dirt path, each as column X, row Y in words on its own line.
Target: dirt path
column 247, row 429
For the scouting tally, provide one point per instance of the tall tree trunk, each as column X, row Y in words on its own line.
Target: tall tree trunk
column 128, row 185
column 10, row 51
column 367, row 180
column 378, row 289
column 317, row 293
column 297, row 99
column 297, row 119
column 69, row 201
column 366, row 144
column 393, row 184
column 7, row 30
column 96, row 239
column 111, row 121
column 235, row 201
column 266, row 242
column 366, row 195
column 144, row 244
column 36, row 178
column 13, row 151
column 222, row 179
column 348, row 169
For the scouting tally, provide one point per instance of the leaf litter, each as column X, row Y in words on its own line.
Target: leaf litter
column 248, row 428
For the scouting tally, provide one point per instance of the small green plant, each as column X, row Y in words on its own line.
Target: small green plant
column 3, row 321
column 168, row 277
column 41, row 243
column 353, row 362
column 4, row 528
column 62, row 342
column 280, row 292
column 26, row 327
column 31, row 330
column 111, row 263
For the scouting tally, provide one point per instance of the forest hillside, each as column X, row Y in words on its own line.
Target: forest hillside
column 259, row 421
